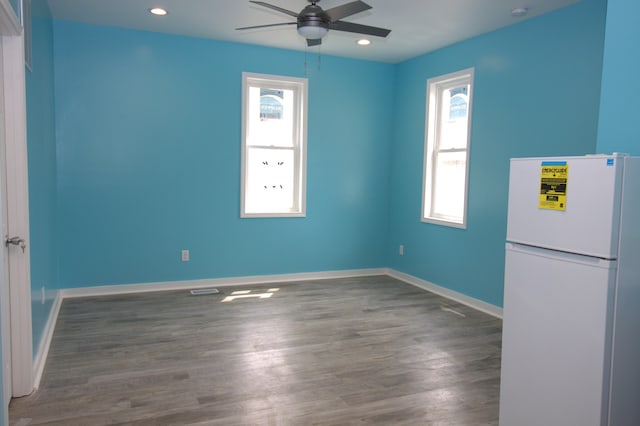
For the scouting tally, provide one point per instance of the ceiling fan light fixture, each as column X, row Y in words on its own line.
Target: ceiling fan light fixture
column 363, row 42
column 312, row 32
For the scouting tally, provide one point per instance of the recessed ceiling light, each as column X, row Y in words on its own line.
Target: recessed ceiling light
column 363, row 42
column 518, row 12
column 158, row 11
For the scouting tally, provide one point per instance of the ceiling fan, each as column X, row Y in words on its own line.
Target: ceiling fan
column 313, row 22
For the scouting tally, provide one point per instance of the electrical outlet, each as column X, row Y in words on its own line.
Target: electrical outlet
column 185, row 255
column 401, row 250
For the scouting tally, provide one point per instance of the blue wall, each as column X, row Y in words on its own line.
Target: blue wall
column 619, row 109
column 148, row 137
column 148, row 134
column 41, row 151
column 536, row 93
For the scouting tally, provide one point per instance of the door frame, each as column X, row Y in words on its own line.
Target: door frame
column 5, row 321
column 15, row 128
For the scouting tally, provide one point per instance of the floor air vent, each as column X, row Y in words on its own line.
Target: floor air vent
column 203, row 291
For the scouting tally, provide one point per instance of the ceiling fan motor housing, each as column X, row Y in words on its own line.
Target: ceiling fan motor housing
column 313, row 16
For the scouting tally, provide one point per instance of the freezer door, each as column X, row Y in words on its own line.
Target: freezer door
column 555, row 338
column 588, row 221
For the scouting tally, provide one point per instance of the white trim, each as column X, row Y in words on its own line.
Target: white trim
column 15, row 111
column 435, row 86
column 300, row 87
column 215, row 282
column 9, row 21
column 472, row 302
column 5, row 306
column 40, row 359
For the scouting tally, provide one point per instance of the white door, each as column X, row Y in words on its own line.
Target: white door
column 555, row 338
column 589, row 216
column 16, row 331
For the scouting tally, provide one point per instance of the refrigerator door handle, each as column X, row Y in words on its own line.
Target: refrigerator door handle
column 569, row 257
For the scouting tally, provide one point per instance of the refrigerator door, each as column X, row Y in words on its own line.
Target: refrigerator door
column 555, row 338
column 588, row 221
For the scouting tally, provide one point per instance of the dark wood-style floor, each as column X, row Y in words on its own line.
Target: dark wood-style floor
column 333, row 352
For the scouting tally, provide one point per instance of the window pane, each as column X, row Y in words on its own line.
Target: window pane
column 271, row 117
column 270, row 178
column 449, row 185
column 453, row 115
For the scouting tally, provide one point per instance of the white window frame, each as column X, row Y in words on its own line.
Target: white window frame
column 300, row 88
column 431, row 146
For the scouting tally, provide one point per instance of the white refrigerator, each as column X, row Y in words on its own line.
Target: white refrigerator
column 571, row 318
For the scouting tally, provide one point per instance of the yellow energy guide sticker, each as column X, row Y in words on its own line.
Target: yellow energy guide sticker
column 553, row 185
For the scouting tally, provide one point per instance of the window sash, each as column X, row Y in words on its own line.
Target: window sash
column 450, row 179
column 254, row 188
column 256, row 130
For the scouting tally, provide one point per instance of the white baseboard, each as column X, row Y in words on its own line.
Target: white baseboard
column 477, row 304
column 40, row 359
column 216, row 282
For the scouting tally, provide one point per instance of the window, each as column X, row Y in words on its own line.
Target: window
column 446, row 164
column 274, row 133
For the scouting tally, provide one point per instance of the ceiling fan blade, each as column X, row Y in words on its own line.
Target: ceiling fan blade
column 314, row 42
column 347, row 9
column 359, row 29
column 266, row 26
column 279, row 9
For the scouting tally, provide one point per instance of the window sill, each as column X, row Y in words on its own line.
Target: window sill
column 444, row 222
column 271, row 215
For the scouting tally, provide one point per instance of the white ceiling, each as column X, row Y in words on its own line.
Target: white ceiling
column 418, row 26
